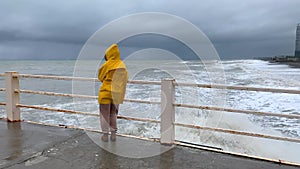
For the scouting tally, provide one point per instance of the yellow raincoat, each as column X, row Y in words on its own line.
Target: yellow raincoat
column 114, row 76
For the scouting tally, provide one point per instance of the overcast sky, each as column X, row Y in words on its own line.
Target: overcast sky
column 57, row 29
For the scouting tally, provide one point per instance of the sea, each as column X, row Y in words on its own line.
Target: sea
column 250, row 73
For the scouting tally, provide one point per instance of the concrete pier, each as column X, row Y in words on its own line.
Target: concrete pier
column 24, row 145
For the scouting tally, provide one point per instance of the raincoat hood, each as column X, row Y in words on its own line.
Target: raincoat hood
column 113, row 62
column 112, row 53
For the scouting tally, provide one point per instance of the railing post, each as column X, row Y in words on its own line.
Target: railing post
column 167, row 128
column 12, row 97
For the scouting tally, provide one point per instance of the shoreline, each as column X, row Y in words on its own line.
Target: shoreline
column 295, row 64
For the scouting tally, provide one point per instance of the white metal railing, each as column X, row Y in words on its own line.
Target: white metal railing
column 177, row 84
column 167, row 121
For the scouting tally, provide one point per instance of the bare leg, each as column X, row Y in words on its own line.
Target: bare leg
column 105, row 120
column 113, row 116
column 113, row 120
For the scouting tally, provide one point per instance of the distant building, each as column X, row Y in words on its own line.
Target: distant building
column 297, row 45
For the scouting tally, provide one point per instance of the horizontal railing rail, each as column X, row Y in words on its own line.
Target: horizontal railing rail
column 166, row 121
column 239, row 132
column 57, row 94
column 84, row 113
column 83, row 79
column 258, row 113
column 80, row 96
column 211, row 86
column 144, row 82
column 142, row 101
column 228, row 87
column 55, row 110
column 56, row 77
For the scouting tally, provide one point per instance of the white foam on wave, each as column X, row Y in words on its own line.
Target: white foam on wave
column 241, row 144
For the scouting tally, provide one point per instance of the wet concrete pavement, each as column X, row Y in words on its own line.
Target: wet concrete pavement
column 24, row 145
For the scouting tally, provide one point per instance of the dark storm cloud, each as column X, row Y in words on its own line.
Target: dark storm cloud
column 58, row 29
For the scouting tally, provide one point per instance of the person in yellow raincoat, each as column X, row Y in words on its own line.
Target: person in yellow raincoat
column 114, row 76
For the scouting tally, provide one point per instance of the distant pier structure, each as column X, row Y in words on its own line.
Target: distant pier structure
column 297, row 45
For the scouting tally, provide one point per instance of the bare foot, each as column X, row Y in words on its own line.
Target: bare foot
column 113, row 137
column 104, row 137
